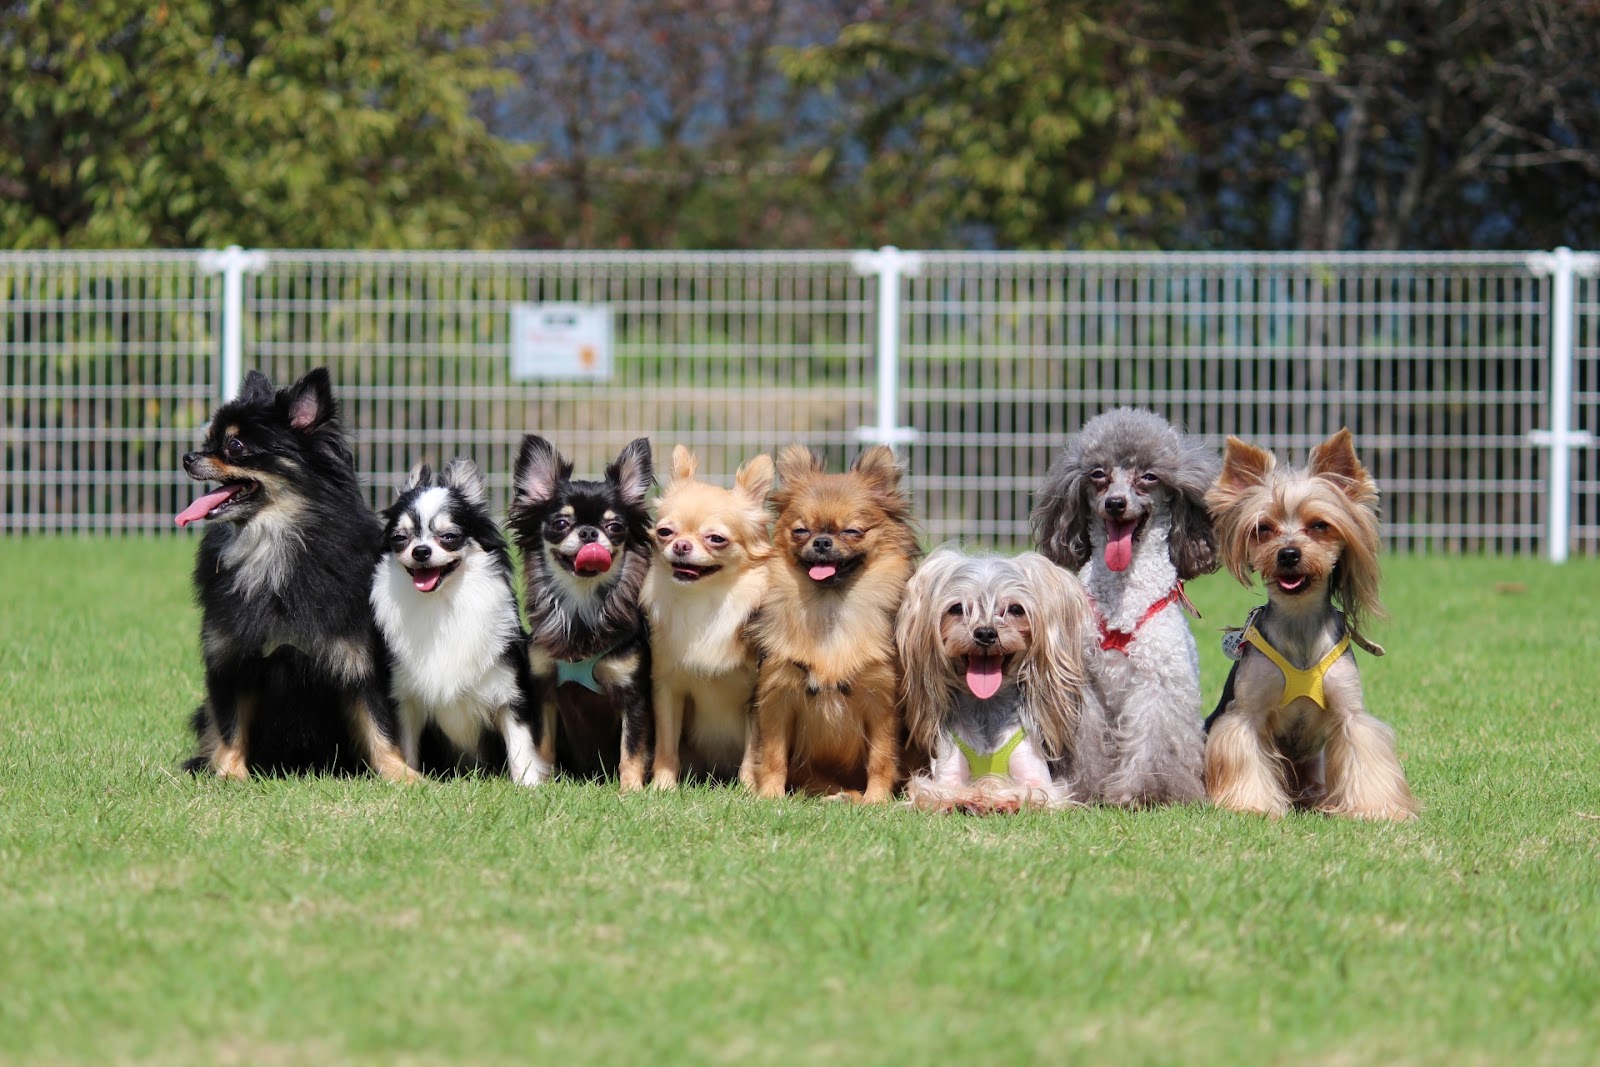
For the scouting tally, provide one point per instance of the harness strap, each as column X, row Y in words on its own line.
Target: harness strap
column 997, row 762
column 1299, row 682
column 1119, row 640
column 582, row 671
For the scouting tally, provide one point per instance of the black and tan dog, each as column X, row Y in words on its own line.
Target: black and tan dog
column 296, row 673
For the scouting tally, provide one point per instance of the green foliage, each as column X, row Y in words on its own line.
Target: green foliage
column 1025, row 119
column 153, row 917
column 199, row 122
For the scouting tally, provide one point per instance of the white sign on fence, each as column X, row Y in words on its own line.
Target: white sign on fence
column 560, row 341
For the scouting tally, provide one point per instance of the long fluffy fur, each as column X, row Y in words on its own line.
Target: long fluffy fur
column 1148, row 695
column 1312, row 535
column 296, row 672
column 573, row 618
column 1042, row 690
column 827, row 692
column 444, row 598
column 703, row 663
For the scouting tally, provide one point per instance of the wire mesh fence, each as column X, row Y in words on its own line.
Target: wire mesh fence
column 1438, row 363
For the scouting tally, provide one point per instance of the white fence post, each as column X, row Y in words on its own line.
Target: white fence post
column 1561, row 438
column 232, row 263
column 890, row 265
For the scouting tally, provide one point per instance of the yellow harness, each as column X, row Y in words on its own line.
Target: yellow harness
column 1299, row 682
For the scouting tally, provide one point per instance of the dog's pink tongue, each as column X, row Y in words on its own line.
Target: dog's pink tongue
column 983, row 675
column 821, row 572
column 592, row 558
column 202, row 507
column 426, row 579
column 1119, row 544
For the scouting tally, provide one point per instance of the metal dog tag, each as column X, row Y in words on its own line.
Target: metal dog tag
column 1233, row 639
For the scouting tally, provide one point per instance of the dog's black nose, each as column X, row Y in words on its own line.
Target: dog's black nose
column 986, row 635
column 1116, row 505
column 822, row 543
column 1288, row 557
column 190, row 459
column 422, row 553
column 586, row 534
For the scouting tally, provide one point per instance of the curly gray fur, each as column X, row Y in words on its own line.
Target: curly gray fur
column 1134, row 438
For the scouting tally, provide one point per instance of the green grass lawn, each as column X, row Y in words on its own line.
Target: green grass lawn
column 149, row 916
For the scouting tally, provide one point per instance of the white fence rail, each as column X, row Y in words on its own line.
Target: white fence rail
column 1442, row 364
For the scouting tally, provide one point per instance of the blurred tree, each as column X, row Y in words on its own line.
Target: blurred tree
column 342, row 123
column 1020, row 123
column 668, row 123
column 1383, row 124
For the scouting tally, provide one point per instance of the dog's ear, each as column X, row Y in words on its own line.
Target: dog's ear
column 754, row 478
column 684, row 464
column 925, row 687
column 464, row 477
column 256, row 389
column 1053, row 675
column 879, row 467
column 1192, row 541
column 538, row 471
column 797, row 462
column 310, row 401
column 1335, row 459
column 1244, row 466
column 1060, row 518
column 421, row 477
column 632, row 473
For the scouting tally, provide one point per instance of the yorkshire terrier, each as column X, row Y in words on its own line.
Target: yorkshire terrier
column 1292, row 729
column 827, row 720
column 992, row 651
column 706, row 583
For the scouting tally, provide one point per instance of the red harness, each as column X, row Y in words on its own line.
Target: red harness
column 1119, row 640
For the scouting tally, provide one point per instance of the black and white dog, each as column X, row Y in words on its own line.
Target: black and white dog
column 444, row 599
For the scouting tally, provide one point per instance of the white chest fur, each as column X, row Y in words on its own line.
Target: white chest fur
column 447, row 645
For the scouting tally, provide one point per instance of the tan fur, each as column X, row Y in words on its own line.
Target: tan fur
column 231, row 759
column 1047, row 644
column 986, row 796
column 1263, row 756
column 827, row 708
column 703, row 665
column 382, row 754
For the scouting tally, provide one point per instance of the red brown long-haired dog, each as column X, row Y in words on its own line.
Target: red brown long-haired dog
column 826, row 697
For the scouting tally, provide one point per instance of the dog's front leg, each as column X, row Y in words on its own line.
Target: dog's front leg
column 231, row 713
column 774, row 725
column 883, row 755
column 1241, row 771
column 626, row 678
column 524, row 762
column 367, row 714
column 1364, row 776
column 669, row 731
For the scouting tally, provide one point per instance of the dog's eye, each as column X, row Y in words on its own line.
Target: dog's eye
column 1264, row 529
column 399, row 540
column 614, row 530
column 854, row 534
column 1098, row 474
column 234, row 447
column 560, row 524
column 664, row 532
column 955, row 609
column 1016, row 611
column 716, row 539
column 449, row 540
column 1149, row 479
column 800, row 533
column 1319, row 526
